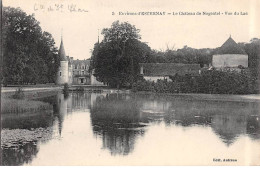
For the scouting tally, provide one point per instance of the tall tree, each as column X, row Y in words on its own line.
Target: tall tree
column 29, row 54
column 116, row 59
column 253, row 51
column 119, row 34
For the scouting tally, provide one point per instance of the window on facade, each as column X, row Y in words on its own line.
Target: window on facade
column 82, row 72
column 60, row 73
column 79, row 72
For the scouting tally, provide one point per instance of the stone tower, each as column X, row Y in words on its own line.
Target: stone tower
column 63, row 72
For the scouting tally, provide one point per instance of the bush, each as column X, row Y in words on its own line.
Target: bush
column 213, row 82
column 66, row 90
column 224, row 82
column 143, row 85
column 19, row 93
column 66, row 87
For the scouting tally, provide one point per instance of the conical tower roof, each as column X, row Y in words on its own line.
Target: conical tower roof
column 62, row 54
column 230, row 47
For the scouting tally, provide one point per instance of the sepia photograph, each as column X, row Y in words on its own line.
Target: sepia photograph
column 130, row 83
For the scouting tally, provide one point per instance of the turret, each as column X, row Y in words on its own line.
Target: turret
column 63, row 72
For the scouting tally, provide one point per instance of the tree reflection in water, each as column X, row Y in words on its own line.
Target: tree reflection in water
column 120, row 119
column 228, row 120
column 117, row 119
column 253, row 127
column 21, row 155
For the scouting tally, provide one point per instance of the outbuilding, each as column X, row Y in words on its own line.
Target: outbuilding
column 230, row 55
column 163, row 71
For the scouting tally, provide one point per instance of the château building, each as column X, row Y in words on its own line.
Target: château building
column 74, row 72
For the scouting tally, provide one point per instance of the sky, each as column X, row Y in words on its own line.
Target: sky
column 79, row 21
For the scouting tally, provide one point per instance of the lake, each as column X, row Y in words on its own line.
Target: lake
column 133, row 129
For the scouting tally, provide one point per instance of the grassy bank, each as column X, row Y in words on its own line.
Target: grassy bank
column 10, row 105
column 32, row 94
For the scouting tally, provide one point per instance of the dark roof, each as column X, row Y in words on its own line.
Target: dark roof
column 230, row 47
column 61, row 53
column 79, row 62
column 169, row 69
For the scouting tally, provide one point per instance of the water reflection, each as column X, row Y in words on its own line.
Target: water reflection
column 227, row 119
column 120, row 121
column 253, row 126
column 22, row 155
column 117, row 119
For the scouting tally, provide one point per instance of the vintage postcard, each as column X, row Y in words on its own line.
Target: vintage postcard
column 130, row 82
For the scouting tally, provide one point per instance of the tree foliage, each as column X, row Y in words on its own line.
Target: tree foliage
column 116, row 59
column 186, row 55
column 253, row 51
column 29, row 54
column 119, row 34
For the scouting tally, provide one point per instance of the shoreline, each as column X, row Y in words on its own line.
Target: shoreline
column 42, row 91
column 210, row 97
column 29, row 88
column 31, row 93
